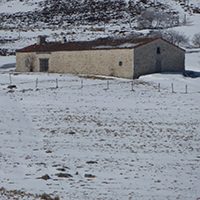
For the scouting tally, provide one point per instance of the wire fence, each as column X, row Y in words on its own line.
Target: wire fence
column 92, row 81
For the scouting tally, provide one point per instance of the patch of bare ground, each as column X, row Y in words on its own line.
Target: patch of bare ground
column 19, row 194
column 95, row 77
column 107, row 139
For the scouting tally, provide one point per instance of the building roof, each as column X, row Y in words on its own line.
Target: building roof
column 101, row 43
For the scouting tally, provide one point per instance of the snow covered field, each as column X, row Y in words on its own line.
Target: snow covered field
column 100, row 141
column 86, row 139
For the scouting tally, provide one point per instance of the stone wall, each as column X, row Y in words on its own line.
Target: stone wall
column 21, row 62
column 111, row 62
column 33, row 58
column 171, row 58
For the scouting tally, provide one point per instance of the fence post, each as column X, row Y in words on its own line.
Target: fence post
column 107, row 85
column 56, row 83
column 186, row 89
column 10, row 78
column 158, row 87
column 172, row 88
column 81, row 83
column 132, row 85
column 36, row 82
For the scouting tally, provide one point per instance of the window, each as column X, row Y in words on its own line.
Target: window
column 158, row 50
column 27, row 63
column 44, row 64
column 120, row 63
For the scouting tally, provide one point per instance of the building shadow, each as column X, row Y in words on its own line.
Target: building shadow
column 7, row 66
column 192, row 74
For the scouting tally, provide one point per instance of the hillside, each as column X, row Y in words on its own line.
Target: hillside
column 22, row 21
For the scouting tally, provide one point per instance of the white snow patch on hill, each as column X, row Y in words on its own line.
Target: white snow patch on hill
column 192, row 28
column 18, row 6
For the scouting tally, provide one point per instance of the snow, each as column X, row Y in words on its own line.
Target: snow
column 192, row 27
column 125, row 45
column 192, row 60
column 15, row 6
column 7, row 60
column 145, row 142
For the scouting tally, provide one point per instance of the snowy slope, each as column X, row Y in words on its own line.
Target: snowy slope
column 15, row 6
column 140, row 144
column 192, row 28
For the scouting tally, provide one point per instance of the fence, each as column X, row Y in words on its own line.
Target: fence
column 104, row 82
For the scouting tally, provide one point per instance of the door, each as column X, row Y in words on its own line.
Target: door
column 158, row 65
column 44, row 64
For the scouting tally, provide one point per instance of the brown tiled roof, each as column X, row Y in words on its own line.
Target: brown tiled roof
column 56, row 46
column 101, row 43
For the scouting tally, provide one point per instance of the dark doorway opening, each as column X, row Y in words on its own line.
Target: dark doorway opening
column 158, row 65
column 44, row 64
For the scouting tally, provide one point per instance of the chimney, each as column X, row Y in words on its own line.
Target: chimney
column 64, row 40
column 41, row 39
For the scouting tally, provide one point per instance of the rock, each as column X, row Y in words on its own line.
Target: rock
column 41, row 163
column 63, row 175
column 89, row 176
column 65, row 167
column 56, row 165
column 10, row 91
column 92, row 162
column 46, row 197
column 61, row 169
column 12, row 86
column 45, row 177
column 48, row 151
column 72, row 133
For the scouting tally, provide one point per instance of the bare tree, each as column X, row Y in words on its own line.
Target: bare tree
column 154, row 18
column 146, row 19
column 175, row 37
column 30, row 62
column 196, row 40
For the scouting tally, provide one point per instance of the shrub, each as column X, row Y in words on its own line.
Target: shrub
column 172, row 36
column 196, row 40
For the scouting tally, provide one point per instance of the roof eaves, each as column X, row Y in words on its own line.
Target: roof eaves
column 81, row 46
column 173, row 44
column 154, row 39
column 149, row 40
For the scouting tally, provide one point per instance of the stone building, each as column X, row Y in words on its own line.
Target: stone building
column 121, row 58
